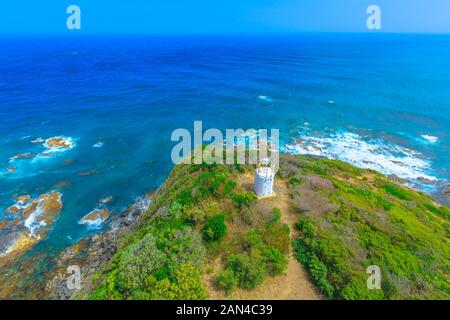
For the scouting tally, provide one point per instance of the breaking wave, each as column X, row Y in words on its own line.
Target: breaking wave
column 376, row 154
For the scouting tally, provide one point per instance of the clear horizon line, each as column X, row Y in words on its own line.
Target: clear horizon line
column 234, row 33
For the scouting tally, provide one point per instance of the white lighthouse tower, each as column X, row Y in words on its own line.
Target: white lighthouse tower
column 264, row 176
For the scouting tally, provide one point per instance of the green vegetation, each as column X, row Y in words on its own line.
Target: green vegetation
column 200, row 215
column 360, row 218
column 204, row 225
column 214, row 228
column 227, row 280
column 249, row 269
column 275, row 261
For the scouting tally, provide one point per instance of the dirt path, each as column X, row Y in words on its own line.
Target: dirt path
column 295, row 284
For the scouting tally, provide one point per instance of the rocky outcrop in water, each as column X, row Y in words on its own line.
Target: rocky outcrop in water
column 95, row 217
column 29, row 222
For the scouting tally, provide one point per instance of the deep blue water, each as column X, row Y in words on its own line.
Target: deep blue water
column 380, row 101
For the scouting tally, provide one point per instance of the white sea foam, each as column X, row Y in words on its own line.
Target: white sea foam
column 68, row 143
column 430, row 139
column 38, row 140
column 142, row 204
column 95, row 218
column 54, row 145
column 31, row 224
column 265, row 98
column 105, row 200
column 95, row 223
column 376, row 154
column 98, row 145
column 21, row 156
column 8, row 248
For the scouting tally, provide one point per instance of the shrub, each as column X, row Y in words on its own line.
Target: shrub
column 107, row 289
column 307, row 227
column 397, row 192
column 250, row 270
column 189, row 286
column 140, row 295
column 244, row 199
column 276, row 216
column 312, row 202
column 214, row 228
column 253, row 239
column 277, row 235
column 138, row 262
column 184, row 246
column 319, row 271
column 314, row 182
column 163, row 290
column 356, row 289
column 276, row 262
column 186, row 285
column 226, row 280
column 247, row 216
column 175, row 209
column 316, row 268
column 211, row 184
column 193, row 214
column 294, row 181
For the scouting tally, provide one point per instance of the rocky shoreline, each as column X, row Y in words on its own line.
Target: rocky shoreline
column 91, row 253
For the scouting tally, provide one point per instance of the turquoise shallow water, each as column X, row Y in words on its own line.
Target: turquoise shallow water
column 377, row 101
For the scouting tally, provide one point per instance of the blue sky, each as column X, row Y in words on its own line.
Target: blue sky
column 222, row 16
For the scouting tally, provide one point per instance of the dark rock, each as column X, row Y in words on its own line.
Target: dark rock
column 91, row 254
column 447, row 192
column 397, row 179
column 425, row 180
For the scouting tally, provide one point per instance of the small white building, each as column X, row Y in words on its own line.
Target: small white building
column 264, row 177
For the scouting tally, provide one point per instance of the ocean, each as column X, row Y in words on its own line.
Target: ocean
column 374, row 100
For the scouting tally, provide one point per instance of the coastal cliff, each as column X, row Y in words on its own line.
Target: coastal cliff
column 206, row 235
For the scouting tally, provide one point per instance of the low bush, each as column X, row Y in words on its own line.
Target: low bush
column 226, row 280
column 249, row 269
column 138, row 262
column 276, row 216
column 214, row 228
column 244, row 199
column 275, row 261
